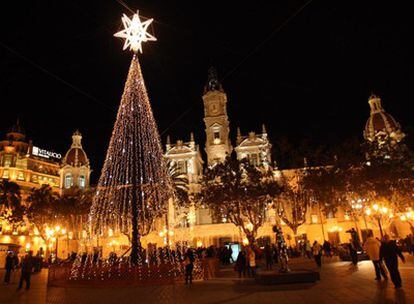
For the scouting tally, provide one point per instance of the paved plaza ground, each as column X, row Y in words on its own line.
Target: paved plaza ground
column 339, row 283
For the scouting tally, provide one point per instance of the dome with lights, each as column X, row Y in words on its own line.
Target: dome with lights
column 380, row 124
column 76, row 156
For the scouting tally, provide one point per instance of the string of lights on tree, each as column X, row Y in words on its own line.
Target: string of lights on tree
column 133, row 187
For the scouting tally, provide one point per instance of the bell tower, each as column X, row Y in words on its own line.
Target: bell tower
column 218, row 144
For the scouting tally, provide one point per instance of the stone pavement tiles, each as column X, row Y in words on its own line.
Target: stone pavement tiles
column 339, row 283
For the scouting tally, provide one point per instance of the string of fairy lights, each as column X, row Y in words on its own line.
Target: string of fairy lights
column 134, row 173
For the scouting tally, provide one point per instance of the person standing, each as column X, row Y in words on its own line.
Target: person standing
column 372, row 248
column 251, row 260
column 9, row 267
column 189, row 266
column 241, row 263
column 308, row 249
column 27, row 266
column 353, row 252
column 390, row 252
column 317, row 253
column 327, row 248
column 268, row 256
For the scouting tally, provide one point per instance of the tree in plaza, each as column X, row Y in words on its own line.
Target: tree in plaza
column 11, row 208
column 292, row 204
column 240, row 193
column 133, row 188
column 73, row 208
column 179, row 184
column 42, row 210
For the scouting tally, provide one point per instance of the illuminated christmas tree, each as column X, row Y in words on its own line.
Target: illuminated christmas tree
column 133, row 188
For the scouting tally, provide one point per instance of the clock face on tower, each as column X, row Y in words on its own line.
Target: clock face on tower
column 214, row 109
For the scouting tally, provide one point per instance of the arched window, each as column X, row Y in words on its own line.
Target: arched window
column 68, row 180
column 81, row 181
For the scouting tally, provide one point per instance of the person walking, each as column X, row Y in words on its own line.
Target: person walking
column 308, row 249
column 327, row 248
column 27, row 266
column 189, row 266
column 8, row 267
column 268, row 256
column 389, row 252
column 241, row 263
column 317, row 253
column 372, row 247
column 251, row 261
column 353, row 252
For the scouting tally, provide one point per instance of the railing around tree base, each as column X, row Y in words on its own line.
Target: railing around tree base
column 68, row 274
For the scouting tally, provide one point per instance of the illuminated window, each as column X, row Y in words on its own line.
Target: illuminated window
column 216, row 137
column 182, row 166
column 34, row 178
column 314, row 218
column 6, row 174
column 68, row 180
column 82, row 181
column 7, row 160
column 253, row 159
column 20, row 175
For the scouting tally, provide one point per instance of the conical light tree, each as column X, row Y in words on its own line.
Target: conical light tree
column 133, row 187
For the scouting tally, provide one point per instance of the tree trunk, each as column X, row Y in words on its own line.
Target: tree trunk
column 135, row 236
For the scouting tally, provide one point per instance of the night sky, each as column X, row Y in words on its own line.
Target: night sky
column 305, row 69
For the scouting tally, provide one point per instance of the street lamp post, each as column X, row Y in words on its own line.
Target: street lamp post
column 378, row 213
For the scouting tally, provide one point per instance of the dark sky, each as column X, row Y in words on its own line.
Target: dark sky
column 309, row 79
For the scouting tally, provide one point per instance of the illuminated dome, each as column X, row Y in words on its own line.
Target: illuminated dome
column 380, row 124
column 76, row 156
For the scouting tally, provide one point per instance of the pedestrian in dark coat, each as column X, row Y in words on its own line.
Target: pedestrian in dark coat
column 269, row 257
column 189, row 266
column 353, row 252
column 27, row 267
column 9, row 267
column 241, row 263
column 389, row 252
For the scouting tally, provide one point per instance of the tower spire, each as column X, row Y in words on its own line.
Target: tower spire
column 213, row 83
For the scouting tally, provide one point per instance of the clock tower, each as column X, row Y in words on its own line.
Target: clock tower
column 218, row 144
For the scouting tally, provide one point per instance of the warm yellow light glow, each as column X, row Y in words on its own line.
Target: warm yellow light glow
column 249, row 226
column 245, row 241
column 199, row 243
column 28, row 246
column 22, row 238
column 110, row 232
column 368, row 211
column 63, row 231
column 6, row 239
column 191, row 217
column 375, row 207
column 135, row 32
column 403, row 217
column 384, row 210
column 57, row 228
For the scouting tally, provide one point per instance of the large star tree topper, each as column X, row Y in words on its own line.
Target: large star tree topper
column 135, row 32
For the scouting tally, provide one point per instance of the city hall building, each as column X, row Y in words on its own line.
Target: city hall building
column 198, row 228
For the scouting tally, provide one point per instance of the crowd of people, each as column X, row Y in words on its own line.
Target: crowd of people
column 27, row 264
column 383, row 253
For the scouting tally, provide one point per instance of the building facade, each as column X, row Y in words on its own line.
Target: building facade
column 30, row 167
column 256, row 148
